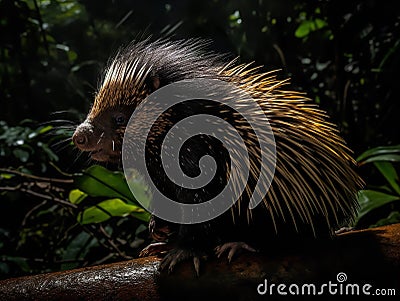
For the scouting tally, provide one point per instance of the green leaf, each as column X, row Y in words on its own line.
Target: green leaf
column 139, row 188
column 52, row 156
column 308, row 26
column 6, row 176
column 303, row 29
column 370, row 200
column 381, row 158
column 4, row 268
column 78, row 248
column 143, row 216
column 32, row 135
column 392, row 51
column 390, row 174
column 113, row 207
column 20, row 261
column 392, row 218
column 22, row 155
column 319, row 23
column 381, row 150
column 72, row 56
column 45, row 129
column 98, row 181
column 76, row 196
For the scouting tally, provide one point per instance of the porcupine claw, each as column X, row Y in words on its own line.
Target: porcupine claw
column 233, row 247
column 156, row 248
column 176, row 256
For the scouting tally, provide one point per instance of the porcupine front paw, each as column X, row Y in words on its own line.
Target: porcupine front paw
column 178, row 255
column 234, row 248
column 157, row 248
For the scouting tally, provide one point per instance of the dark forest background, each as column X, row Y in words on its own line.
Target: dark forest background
column 343, row 54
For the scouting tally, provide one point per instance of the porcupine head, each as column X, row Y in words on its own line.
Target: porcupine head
column 314, row 184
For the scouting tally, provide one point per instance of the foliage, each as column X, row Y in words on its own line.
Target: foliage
column 61, row 223
column 23, row 145
column 380, row 205
column 97, row 181
column 344, row 55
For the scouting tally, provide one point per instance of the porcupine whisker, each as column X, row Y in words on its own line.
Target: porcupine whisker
column 62, row 112
column 101, row 136
column 64, row 142
column 88, row 161
column 62, row 148
column 65, row 121
column 65, row 130
column 80, row 153
column 64, row 127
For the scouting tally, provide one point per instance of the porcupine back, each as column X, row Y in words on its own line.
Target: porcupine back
column 314, row 183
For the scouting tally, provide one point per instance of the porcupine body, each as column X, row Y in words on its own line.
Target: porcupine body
column 313, row 191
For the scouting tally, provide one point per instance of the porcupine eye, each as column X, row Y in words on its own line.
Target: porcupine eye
column 120, row 119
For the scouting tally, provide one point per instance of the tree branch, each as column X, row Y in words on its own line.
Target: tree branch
column 369, row 256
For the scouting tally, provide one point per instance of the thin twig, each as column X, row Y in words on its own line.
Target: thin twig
column 111, row 242
column 31, row 211
column 280, row 53
column 9, row 188
column 51, row 198
column 43, row 179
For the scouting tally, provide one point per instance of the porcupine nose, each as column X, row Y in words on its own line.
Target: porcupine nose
column 81, row 137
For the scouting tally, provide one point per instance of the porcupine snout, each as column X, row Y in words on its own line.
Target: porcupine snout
column 102, row 142
column 83, row 137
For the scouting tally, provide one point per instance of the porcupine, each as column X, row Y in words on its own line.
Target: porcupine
column 313, row 191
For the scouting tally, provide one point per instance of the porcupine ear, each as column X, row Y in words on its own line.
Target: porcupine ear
column 153, row 82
